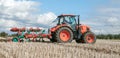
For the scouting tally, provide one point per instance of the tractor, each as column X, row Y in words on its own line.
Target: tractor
column 68, row 28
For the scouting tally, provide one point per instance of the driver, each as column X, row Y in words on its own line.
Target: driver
column 67, row 20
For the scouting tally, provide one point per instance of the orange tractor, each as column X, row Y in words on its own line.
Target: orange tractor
column 69, row 28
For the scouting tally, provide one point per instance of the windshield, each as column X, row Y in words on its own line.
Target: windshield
column 67, row 19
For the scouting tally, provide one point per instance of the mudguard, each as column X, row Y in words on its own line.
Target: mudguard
column 83, row 28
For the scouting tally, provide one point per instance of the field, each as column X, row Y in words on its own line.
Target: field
column 101, row 49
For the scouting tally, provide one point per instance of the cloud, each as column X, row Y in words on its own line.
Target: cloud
column 109, row 10
column 46, row 18
column 106, row 20
column 115, row 1
column 23, row 13
column 113, row 19
column 8, row 23
column 13, row 8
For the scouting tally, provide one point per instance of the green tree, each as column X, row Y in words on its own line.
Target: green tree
column 13, row 35
column 3, row 34
column 108, row 36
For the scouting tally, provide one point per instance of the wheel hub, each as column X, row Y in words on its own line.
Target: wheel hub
column 64, row 35
column 90, row 38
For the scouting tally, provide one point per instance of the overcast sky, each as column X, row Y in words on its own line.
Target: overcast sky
column 101, row 15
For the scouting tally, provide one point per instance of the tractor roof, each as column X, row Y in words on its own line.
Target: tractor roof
column 66, row 15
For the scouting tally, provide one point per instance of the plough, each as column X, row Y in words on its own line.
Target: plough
column 27, row 35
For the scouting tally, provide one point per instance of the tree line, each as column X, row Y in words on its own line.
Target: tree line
column 108, row 36
column 3, row 34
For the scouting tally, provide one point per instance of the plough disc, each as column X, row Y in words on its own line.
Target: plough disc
column 14, row 40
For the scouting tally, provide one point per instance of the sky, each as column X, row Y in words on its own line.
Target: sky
column 101, row 15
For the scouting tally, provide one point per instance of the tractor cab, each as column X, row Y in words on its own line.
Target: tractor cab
column 67, row 19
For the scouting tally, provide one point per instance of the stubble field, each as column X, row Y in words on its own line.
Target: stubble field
column 101, row 49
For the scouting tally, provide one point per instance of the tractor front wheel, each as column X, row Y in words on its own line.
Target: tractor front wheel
column 88, row 37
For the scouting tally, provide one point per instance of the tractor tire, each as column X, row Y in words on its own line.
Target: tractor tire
column 89, row 37
column 64, row 35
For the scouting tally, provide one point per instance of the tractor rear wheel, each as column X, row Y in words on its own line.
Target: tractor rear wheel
column 64, row 35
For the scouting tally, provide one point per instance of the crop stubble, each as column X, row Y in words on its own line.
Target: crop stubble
column 101, row 49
